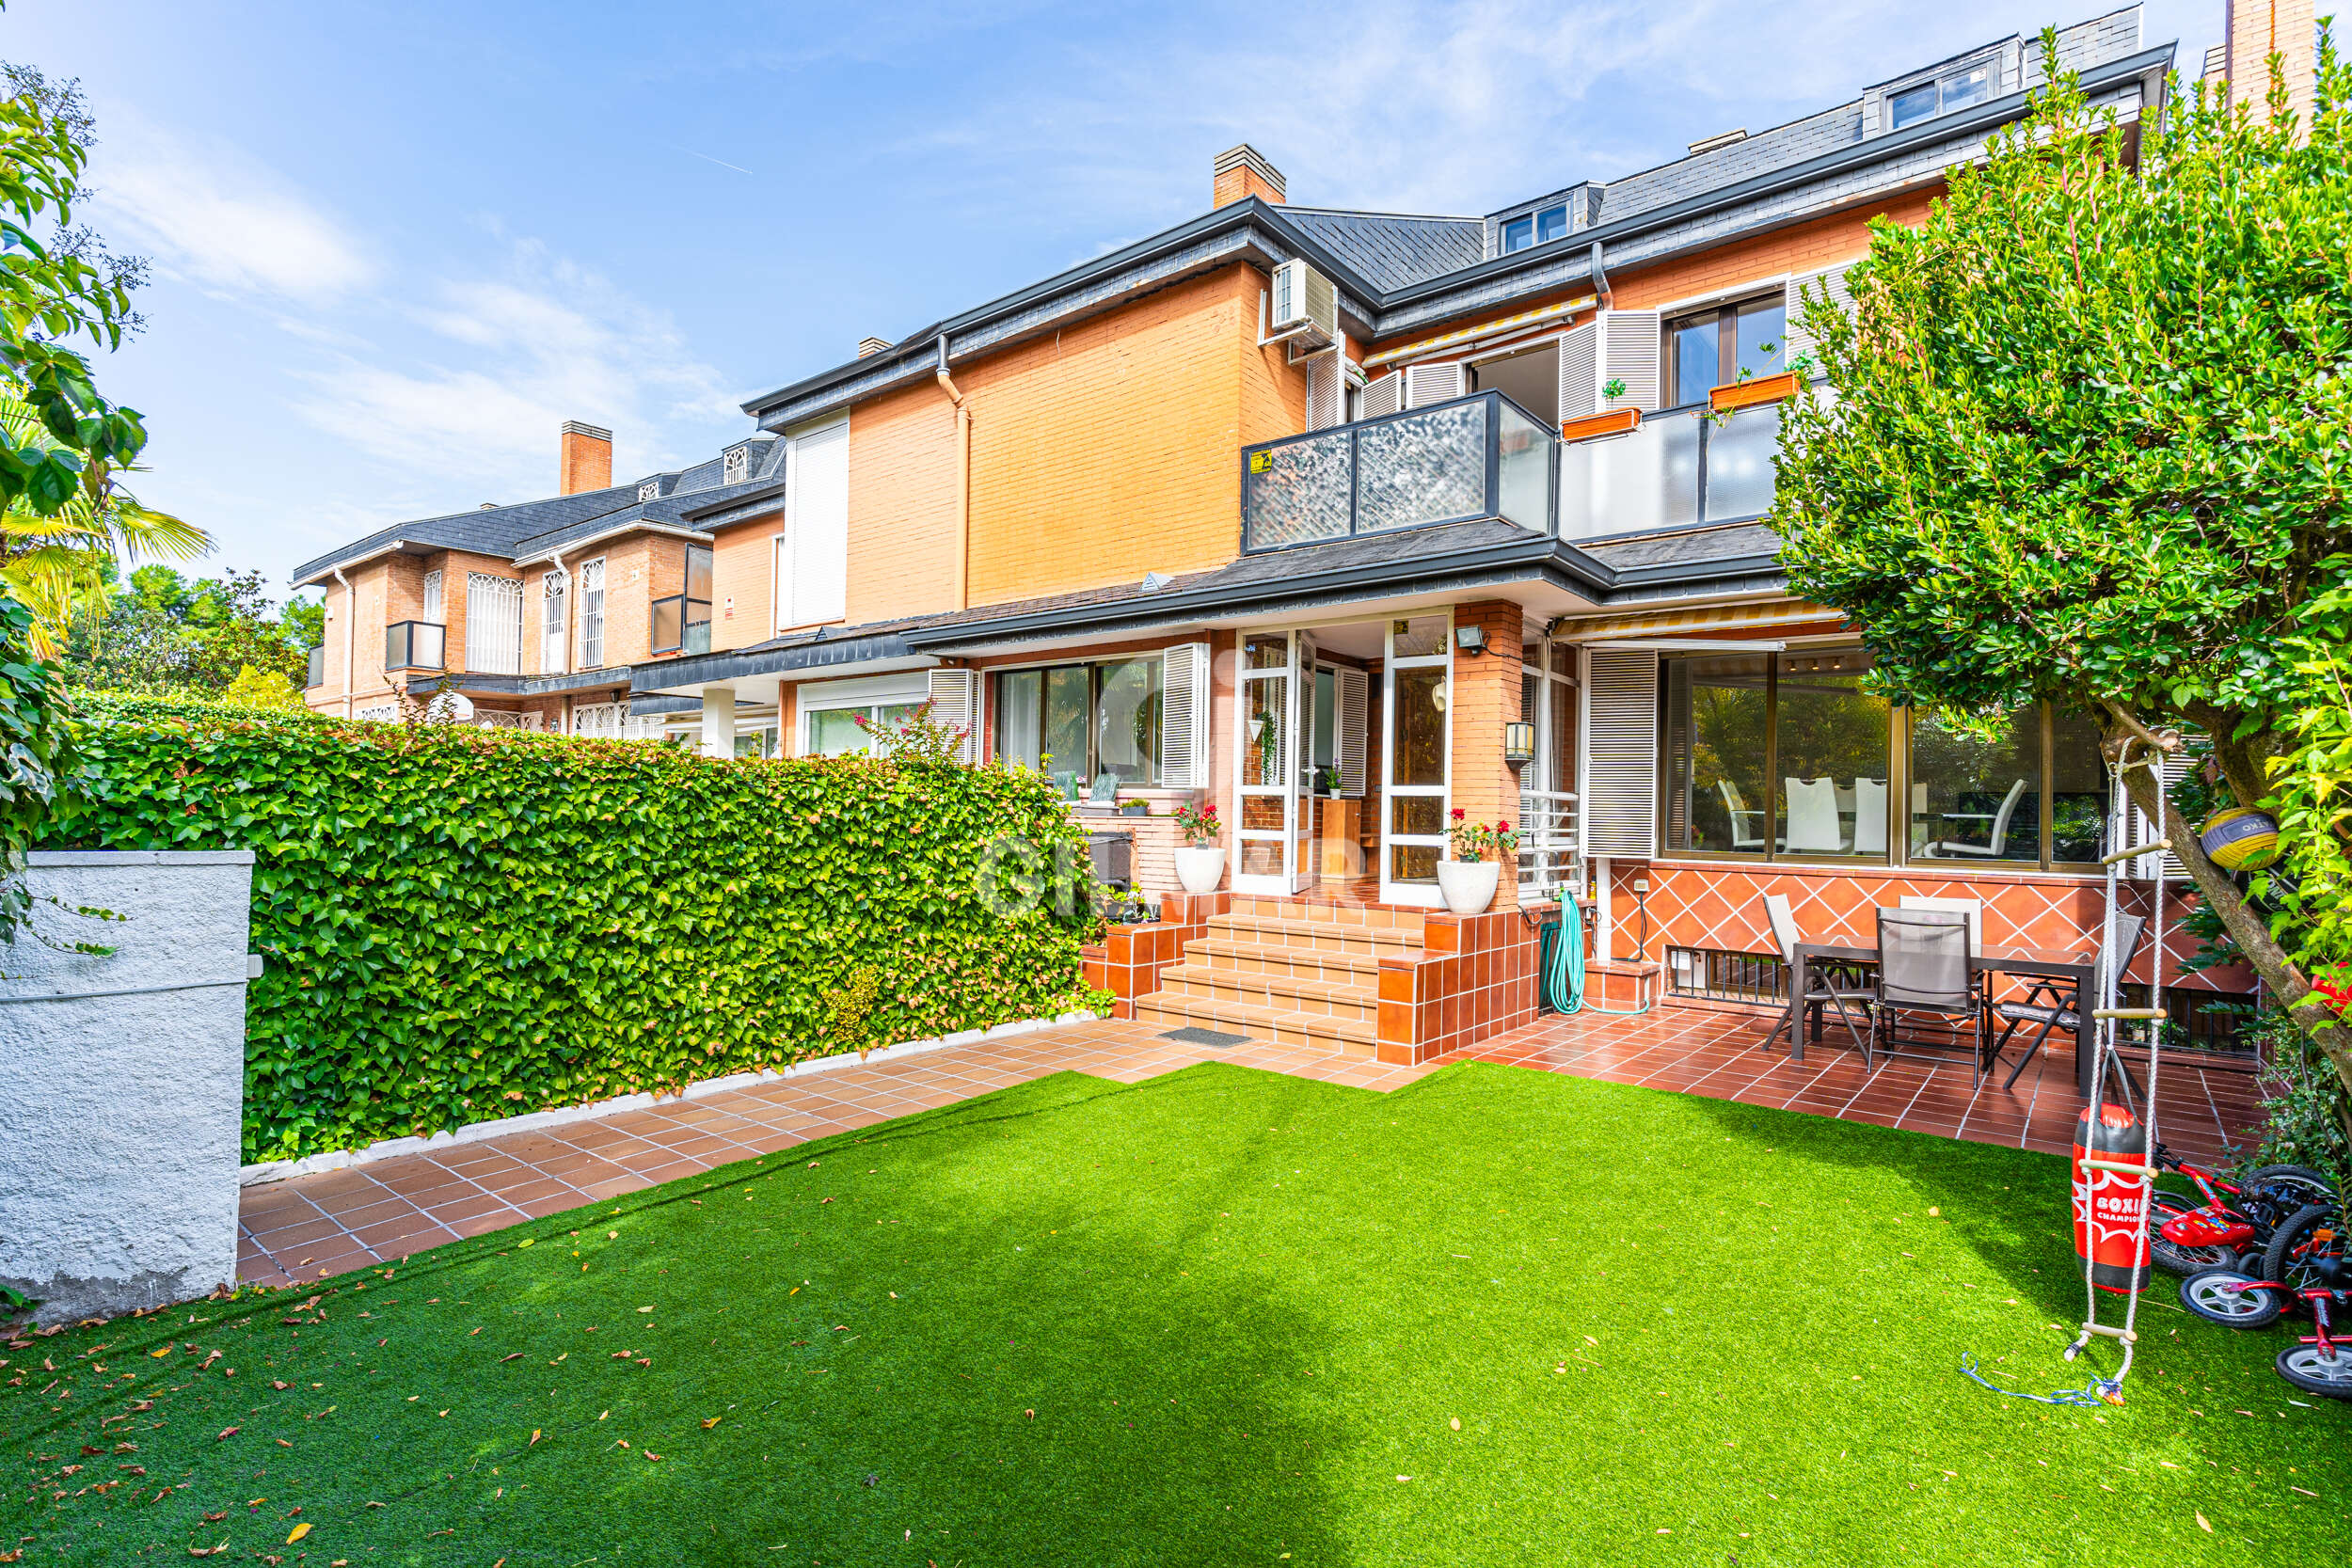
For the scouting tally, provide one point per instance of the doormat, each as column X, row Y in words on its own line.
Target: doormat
column 1194, row 1035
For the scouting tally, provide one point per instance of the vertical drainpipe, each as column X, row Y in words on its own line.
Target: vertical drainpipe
column 963, row 480
column 351, row 634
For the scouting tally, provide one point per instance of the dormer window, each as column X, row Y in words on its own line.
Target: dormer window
column 650, row 490
column 1541, row 226
column 1939, row 95
column 739, row 464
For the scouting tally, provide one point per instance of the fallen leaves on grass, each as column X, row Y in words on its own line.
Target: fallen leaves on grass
column 2205, row 1524
column 709, row 1421
column 228, row 1431
column 298, row 1532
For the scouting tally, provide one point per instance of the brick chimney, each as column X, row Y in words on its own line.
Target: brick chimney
column 586, row 463
column 1243, row 171
column 869, row 346
column 2257, row 29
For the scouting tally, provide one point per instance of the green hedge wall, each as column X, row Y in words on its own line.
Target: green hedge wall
column 462, row 923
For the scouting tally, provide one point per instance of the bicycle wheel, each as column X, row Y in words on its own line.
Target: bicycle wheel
column 2208, row 1295
column 2285, row 1189
column 2328, row 1376
column 2170, row 1256
column 2312, row 1236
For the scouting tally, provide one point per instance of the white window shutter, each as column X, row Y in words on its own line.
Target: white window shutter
column 955, row 701
column 1383, row 394
column 1800, row 341
column 1438, row 383
column 1619, row 810
column 1630, row 351
column 1354, row 695
column 1184, row 717
column 817, row 499
column 1580, row 372
column 1323, row 393
column 2171, row 770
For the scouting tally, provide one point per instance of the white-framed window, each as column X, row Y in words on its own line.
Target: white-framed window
column 830, row 711
column 598, row 721
column 431, row 597
column 552, row 622
column 378, row 713
column 494, row 624
column 1940, row 95
column 779, row 579
column 591, row 614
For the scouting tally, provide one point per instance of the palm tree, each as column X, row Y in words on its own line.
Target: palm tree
column 55, row 564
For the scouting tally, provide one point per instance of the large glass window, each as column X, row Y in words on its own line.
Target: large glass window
column 1832, row 751
column 1725, row 344
column 1982, row 797
column 1718, row 727
column 835, row 731
column 1083, row 719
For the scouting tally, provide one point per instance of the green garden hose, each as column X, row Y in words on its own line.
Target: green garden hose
column 1564, row 982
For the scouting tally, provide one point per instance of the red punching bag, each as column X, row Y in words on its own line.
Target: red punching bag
column 2111, row 1209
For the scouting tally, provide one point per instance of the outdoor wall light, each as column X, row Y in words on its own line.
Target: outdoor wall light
column 1518, row 743
column 1470, row 640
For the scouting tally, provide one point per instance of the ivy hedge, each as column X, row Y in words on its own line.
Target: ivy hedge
column 462, row 924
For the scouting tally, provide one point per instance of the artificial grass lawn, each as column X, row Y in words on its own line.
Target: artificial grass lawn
column 1222, row 1317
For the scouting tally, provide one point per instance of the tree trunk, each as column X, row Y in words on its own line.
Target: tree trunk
column 2246, row 928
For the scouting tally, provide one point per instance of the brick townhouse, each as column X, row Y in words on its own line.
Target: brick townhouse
column 1341, row 520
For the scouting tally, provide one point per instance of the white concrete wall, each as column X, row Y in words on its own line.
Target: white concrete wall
column 120, row 1112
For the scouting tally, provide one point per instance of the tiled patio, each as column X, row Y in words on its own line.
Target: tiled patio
column 317, row 1226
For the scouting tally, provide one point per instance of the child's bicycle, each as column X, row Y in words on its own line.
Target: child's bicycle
column 2307, row 1263
column 2188, row 1237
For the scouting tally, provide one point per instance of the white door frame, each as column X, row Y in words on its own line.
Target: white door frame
column 1295, row 868
column 1391, row 890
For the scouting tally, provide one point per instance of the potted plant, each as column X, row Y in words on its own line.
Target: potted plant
column 1200, row 863
column 1468, row 881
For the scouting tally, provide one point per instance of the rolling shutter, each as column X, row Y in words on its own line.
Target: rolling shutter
column 816, row 501
column 1355, row 690
column 1800, row 341
column 1580, row 372
column 1184, row 717
column 955, row 701
column 1630, row 351
column 1382, row 395
column 1620, row 703
column 2173, row 769
column 1439, row 383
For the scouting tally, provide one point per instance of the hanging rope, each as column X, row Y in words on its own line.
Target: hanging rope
column 2091, row 1396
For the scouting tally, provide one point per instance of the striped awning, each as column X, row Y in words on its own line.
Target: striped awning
column 1470, row 335
column 1684, row 623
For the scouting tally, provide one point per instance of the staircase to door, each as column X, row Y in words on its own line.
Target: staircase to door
column 1289, row 971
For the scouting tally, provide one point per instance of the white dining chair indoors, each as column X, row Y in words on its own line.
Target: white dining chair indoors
column 1869, row 817
column 1813, row 817
column 1743, row 831
column 1996, row 838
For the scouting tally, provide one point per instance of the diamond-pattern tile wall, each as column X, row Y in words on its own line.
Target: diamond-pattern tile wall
column 1692, row 905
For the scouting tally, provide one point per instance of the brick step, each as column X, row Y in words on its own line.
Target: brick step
column 1314, row 936
column 1251, row 957
column 1320, row 1032
column 1282, row 992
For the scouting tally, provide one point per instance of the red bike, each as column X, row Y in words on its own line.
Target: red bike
column 2318, row 1363
column 2225, row 1231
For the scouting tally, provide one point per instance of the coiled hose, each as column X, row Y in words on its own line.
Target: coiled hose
column 1563, row 981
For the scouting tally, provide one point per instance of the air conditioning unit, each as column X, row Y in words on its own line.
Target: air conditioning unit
column 1306, row 307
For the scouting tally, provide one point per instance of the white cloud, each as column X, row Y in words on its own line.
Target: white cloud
column 218, row 219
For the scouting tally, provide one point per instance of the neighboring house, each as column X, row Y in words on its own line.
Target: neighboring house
column 1306, row 511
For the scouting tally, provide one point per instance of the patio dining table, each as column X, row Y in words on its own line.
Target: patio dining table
column 2079, row 969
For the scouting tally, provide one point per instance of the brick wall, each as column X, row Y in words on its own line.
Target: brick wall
column 1486, row 698
column 904, row 549
column 1802, row 247
column 743, row 578
column 2260, row 28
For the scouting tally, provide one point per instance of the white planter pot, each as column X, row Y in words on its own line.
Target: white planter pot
column 123, row 1082
column 1200, row 869
column 1469, row 886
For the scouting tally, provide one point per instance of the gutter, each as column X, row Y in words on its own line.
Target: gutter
column 964, row 479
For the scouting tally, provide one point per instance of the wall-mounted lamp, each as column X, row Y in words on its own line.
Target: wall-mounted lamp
column 1518, row 743
column 1470, row 640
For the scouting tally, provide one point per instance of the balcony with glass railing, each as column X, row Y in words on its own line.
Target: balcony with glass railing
column 414, row 646
column 681, row 625
column 1679, row 468
column 1478, row 456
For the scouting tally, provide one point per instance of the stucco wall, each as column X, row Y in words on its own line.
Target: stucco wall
column 121, row 1113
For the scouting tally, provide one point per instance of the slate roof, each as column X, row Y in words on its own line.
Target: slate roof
column 529, row 529
column 1390, row 251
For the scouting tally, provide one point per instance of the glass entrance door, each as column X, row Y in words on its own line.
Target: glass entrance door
column 1273, row 752
column 1418, row 725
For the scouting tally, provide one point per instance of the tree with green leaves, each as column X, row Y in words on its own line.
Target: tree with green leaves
column 161, row 634
column 2091, row 444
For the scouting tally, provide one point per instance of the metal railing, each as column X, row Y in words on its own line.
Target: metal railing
column 681, row 625
column 1478, row 456
column 1677, row 469
column 318, row 668
column 1549, row 861
column 415, row 645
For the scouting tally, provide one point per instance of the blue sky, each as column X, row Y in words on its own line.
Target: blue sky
column 395, row 244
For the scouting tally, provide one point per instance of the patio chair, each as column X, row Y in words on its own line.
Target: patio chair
column 1996, row 837
column 1836, row 988
column 2047, row 998
column 1813, row 817
column 1924, row 967
column 1869, row 817
column 1743, row 833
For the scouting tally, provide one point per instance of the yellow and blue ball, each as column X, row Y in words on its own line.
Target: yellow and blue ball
column 2239, row 839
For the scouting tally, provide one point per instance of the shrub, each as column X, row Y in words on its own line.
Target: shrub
column 2302, row 1100
column 464, row 923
